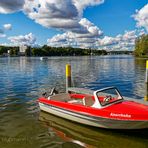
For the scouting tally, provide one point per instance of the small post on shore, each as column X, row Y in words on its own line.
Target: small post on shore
column 146, row 92
column 146, row 76
column 146, row 81
column 68, row 76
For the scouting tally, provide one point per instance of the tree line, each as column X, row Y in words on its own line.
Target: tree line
column 51, row 51
column 64, row 51
column 141, row 46
column 13, row 51
column 58, row 51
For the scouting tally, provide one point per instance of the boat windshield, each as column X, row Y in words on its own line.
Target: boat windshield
column 108, row 96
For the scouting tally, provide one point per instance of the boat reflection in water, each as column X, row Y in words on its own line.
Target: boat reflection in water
column 78, row 135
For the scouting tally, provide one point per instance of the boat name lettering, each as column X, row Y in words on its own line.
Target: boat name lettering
column 120, row 115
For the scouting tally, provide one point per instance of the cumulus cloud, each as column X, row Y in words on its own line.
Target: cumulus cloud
column 141, row 32
column 28, row 39
column 85, row 36
column 91, row 29
column 81, row 5
column 60, row 14
column 72, row 39
column 141, row 17
column 65, row 15
column 107, row 41
column 7, row 26
column 129, row 36
column 9, row 6
column 48, row 12
column 119, row 42
column 59, row 38
column 4, row 29
column 2, row 35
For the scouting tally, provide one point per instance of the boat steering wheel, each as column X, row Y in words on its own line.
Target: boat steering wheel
column 107, row 98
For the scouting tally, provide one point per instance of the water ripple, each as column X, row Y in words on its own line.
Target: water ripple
column 23, row 80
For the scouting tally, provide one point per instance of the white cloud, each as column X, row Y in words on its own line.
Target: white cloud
column 67, row 15
column 106, row 41
column 28, row 39
column 2, row 35
column 91, row 29
column 141, row 17
column 141, row 32
column 60, row 14
column 6, row 44
column 10, row 6
column 86, row 35
column 2, row 31
column 49, row 12
column 119, row 42
column 81, row 5
column 129, row 35
column 73, row 39
column 7, row 26
column 59, row 38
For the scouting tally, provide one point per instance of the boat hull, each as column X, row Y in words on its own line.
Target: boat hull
column 93, row 120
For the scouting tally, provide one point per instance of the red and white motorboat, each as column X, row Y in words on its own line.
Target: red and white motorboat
column 104, row 108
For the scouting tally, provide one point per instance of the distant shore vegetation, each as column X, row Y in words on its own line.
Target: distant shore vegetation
column 141, row 46
column 13, row 51
column 55, row 51
column 50, row 51
column 64, row 51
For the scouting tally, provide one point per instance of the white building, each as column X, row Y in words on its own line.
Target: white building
column 22, row 49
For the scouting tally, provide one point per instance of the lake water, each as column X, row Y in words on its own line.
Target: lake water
column 23, row 80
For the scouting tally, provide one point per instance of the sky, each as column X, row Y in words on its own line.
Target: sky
column 99, row 24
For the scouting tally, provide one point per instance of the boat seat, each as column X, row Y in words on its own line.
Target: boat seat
column 88, row 101
column 61, row 97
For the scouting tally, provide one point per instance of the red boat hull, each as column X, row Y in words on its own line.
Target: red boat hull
column 122, row 115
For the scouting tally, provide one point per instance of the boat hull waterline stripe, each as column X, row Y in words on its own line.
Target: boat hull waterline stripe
column 93, row 121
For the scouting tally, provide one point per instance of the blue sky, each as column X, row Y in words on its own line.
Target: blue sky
column 22, row 25
column 96, row 23
column 114, row 16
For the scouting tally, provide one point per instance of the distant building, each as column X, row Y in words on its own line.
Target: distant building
column 8, row 52
column 22, row 50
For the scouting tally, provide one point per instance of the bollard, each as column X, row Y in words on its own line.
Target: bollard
column 146, row 92
column 146, row 76
column 145, row 98
column 146, row 81
column 68, row 76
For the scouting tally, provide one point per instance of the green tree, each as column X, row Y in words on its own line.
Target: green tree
column 28, row 51
column 141, row 46
column 3, row 49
